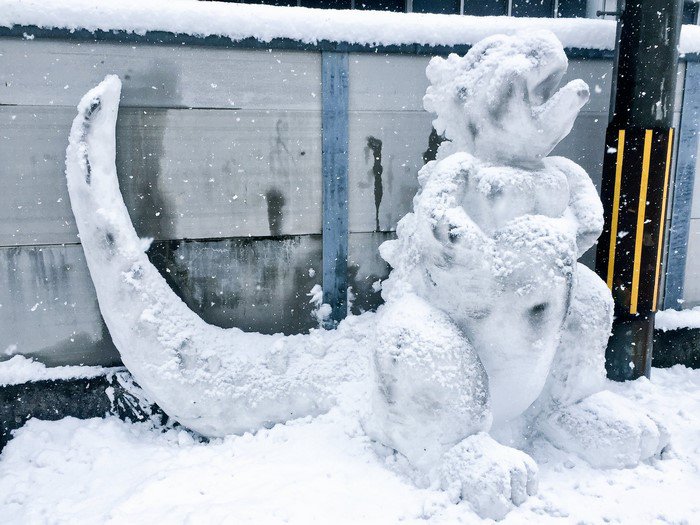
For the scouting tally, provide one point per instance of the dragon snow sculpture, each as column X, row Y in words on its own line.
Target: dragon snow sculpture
column 489, row 324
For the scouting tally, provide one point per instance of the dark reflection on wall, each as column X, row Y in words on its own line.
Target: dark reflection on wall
column 436, row 6
column 381, row 5
column 572, row 9
column 267, row 2
column 534, row 8
column 486, row 7
column 262, row 284
column 254, row 284
column 327, row 4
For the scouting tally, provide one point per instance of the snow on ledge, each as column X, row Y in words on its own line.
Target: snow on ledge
column 240, row 21
column 263, row 22
column 20, row 369
column 676, row 319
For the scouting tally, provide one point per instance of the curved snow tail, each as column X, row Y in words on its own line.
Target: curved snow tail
column 212, row 380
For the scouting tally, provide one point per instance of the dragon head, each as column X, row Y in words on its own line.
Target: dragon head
column 500, row 102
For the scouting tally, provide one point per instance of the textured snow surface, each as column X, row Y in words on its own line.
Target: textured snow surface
column 675, row 319
column 20, row 369
column 324, row 470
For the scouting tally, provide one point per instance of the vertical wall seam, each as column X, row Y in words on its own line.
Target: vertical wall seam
column 335, row 144
column 683, row 183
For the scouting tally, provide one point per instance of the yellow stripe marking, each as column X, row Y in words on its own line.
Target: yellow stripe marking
column 640, row 221
column 616, row 206
column 663, row 219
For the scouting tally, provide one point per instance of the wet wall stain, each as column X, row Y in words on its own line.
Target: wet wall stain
column 255, row 284
column 282, row 165
column 434, row 141
column 49, row 309
column 140, row 150
column 374, row 146
column 275, row 205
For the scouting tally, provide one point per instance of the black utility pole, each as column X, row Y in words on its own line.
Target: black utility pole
column 639, row 145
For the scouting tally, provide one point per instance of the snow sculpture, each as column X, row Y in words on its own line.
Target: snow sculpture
column 488, row 321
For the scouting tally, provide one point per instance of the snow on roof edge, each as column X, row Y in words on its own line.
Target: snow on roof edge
column 264, row 23
column 310, row 26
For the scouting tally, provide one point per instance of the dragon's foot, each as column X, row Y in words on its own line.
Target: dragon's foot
column 493, row 478
column 606, row 430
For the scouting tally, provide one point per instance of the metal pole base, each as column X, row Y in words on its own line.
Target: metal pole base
column 629, row 350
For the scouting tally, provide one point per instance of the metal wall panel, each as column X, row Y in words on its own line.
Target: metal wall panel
column 48, row 307
column 680, row 190
column 598, row 75
column 217, row 173
column 389, row 133
column 181, row 170
column 386, row 152
column 398, row 82
column 365, row 268
column 387, row 82
column 695, row 210
column 585, row 144
column 183, row 173
column 58, row 73
column 691, row 292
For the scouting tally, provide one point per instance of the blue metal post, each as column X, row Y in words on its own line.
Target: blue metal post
column 334, row 77
column 683, row 188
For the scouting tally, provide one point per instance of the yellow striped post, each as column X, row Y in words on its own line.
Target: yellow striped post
column 629, row 257
column 641, row 213
column 616, row 205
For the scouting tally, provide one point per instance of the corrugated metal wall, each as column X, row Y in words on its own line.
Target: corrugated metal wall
column 219, row 158
column 691, row 291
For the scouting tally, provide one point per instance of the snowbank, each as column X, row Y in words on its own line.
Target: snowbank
column 19, row 369
column 324, row 471
column 675, row 319
column 264, row 23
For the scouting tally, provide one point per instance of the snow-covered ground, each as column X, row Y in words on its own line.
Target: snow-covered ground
column 324, row 470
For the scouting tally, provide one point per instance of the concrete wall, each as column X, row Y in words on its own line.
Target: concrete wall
column 219, row 158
